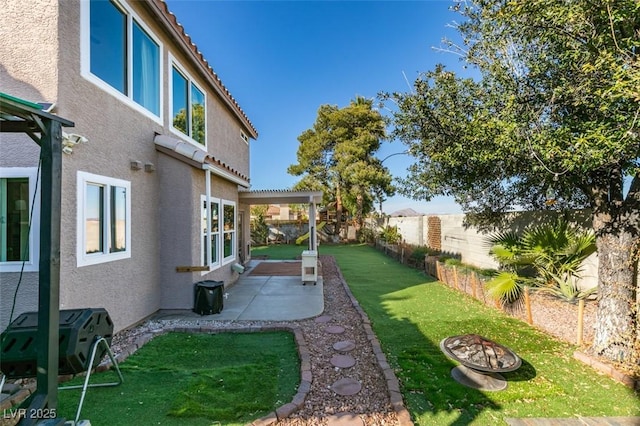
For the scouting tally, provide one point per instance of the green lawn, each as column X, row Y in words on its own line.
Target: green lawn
column 194, row 379
column 411, row 313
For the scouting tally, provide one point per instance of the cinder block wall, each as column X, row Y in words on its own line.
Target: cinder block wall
column 449, row 234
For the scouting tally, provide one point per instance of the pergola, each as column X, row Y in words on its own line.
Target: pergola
column 20, row 116
column 312, row 198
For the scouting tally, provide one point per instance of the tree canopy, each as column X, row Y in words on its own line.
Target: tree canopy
column 555, row 109
column 337, row 156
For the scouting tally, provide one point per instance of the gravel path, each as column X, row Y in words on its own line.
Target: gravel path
column 322, row 406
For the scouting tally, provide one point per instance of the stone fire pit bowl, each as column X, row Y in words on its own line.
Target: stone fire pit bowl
column 481, row 361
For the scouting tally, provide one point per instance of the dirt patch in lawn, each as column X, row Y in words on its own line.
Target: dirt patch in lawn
column 292, row 268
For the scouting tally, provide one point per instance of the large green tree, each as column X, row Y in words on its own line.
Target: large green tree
column 337, row 156
column 554, row 107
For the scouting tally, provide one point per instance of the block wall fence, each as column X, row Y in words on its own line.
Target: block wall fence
column 449, row 234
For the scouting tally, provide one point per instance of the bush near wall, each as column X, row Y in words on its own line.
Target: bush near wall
column 406, row 254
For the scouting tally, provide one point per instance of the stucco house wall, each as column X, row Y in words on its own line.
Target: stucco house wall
column 20, row 76
column 43, row 62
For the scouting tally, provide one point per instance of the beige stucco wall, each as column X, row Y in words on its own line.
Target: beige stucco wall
column 180, row 222
column 28, row 69
column 128, row 289
column 165, row 211
column 29, row 49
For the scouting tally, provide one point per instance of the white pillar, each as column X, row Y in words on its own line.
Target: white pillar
column 313, row 236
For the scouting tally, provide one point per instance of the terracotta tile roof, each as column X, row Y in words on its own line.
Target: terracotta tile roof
column 217, row 162
column 162, row 10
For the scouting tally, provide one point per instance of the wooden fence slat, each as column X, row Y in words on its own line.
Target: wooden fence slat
column 473, row 284
column 580, row 322
column 527, row 304
column 455, row 277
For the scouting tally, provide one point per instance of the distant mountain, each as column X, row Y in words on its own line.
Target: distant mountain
column 405, row 213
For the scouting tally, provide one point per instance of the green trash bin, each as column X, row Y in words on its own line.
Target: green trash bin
column 208, row 298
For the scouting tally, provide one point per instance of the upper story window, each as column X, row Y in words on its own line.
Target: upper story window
column 19, row 225
column 188, row 106
column 122, row 54
column 104, row 219
column 244, row 137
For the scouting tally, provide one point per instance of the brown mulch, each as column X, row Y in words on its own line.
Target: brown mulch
column 285, row 269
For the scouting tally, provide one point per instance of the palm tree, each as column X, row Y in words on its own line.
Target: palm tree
column 546, row 258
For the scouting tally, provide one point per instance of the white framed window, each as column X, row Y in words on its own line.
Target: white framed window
column 104, row 219
column 211, row 237
column 188, row 106
column 121, row 55
column 228, row 231
column 222, row 236
column 244, row 137
column 19, row 242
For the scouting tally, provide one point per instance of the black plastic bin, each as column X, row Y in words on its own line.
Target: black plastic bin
column 78, row 330
column 208, row 298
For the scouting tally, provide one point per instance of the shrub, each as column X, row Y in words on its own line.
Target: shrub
column 420, row 252
column 391, row 235
column 367, row 235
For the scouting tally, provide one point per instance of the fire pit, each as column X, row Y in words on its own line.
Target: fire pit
column 482, row 360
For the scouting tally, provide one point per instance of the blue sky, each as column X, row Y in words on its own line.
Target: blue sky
column 281, row 60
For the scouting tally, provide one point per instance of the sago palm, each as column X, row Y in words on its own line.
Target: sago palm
column 553, row 252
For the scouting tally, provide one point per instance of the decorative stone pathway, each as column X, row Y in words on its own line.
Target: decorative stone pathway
column 322, row 319
column 334, row 329
column 344, row 346
column 343, row 361
column 346, row 386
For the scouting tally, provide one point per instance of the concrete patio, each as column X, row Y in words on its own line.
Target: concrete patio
column 263, row 298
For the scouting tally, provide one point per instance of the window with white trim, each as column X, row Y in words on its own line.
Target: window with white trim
column 222, row 238
column 211, row 237
column 104, row 219
column 188, row 106
column 121, row 55
column 19, row 242
column 229, row 230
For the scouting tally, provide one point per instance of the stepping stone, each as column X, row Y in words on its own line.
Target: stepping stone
column 344, row 346
column 323, row 319
column 343, row 361
column 334, row 329
column 346, row 387
column 344, row 419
